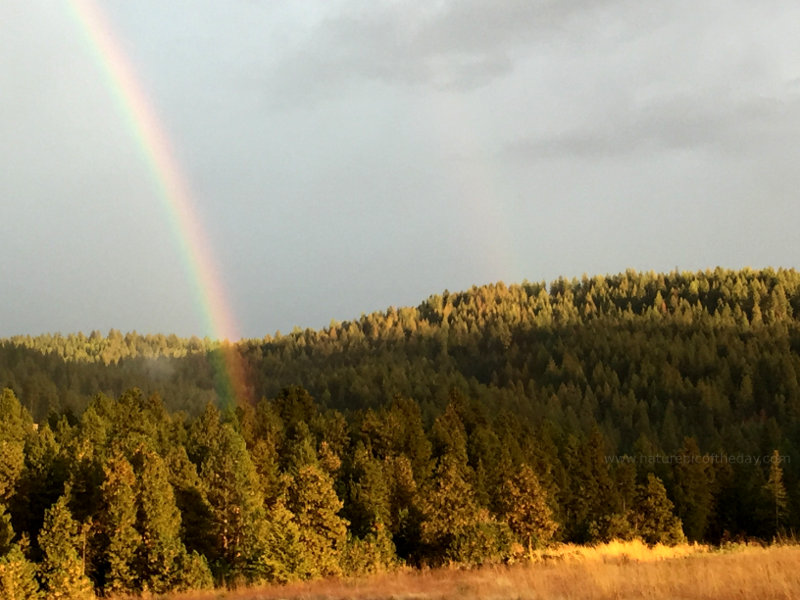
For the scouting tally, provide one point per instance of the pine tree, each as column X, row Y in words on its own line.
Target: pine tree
column 282, row 556
column 449, row 510
column 590, row 498
column 196, row 514
column 315, row 506
column 18, row 577
column 693, row 491
column 6, row 531
column 17, row 573
column 15, row 426
column 776, row 491
column 654, row 519
column 237, row 505
column 12, row 460
column 161, row 551
column 369, row 493
column 524, row 505
column 62, row 567
column 118, row 525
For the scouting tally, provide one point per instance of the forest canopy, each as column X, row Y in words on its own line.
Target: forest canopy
column 468, row 429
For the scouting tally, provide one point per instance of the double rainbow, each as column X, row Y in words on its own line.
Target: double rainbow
column 173, row 190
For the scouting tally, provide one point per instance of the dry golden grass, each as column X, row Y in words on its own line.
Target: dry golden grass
column 614, row 571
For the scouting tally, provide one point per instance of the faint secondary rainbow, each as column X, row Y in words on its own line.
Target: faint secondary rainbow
column 174, row 190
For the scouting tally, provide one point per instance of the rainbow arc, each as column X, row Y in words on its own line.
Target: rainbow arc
column 172, row 187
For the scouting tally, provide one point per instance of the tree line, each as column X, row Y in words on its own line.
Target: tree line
column 471, row 428
column 131, row 498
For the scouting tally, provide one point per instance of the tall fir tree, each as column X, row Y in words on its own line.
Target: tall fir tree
column 315, row 505
column 654, row 519
column 118, row 519
column 237, row 505
column 161, row 556
column 524, row 505
column 62, row 566
column 18, row 576
column 776, row 491
column 693, row 487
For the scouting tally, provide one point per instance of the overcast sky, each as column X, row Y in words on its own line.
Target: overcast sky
column 347, row 156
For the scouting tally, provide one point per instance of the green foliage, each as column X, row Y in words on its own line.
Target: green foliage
column 193, row 572
column 62, row 568
column 118, row 520
column 234, row 495
column 282, row 555
column 18, row 577
column 449, row 510
column 654, row 520
column 776, row 491
column 160, row 553
column 15, row 421
column 6, row 531
column 369, row 493
column 484, row 542
column 694, row 479
column 525, row 506
column 591, row 497
column 315, row 506
column 15, row 426
column 424, row 421
column 374, row 553
column 12, row 459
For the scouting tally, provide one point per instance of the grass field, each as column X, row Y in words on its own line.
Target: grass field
column 613, row 571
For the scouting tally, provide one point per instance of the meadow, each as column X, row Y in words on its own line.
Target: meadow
column 611, row 571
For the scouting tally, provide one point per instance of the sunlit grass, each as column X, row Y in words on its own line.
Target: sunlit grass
column 617, row 550
column 611, row 571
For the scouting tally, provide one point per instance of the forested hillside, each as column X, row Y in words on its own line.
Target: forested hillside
column 466, row 429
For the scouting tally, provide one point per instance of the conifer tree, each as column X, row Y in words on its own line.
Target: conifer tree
column 41, row 483
column 590, row 498
column 6, row 531
column 448, row 507
column 654, row 519
column 118, row 525
column 196, row 515
column 17, row 573
column 12, row 459
column 234, row 494
column 369, row 493
column 18, row 576
column 15, row 426
column 161, row 551
column 15, row 421
column 62, row 567
column 776, row 491
column 299, row 448
column 315, row 506
column 693, row 490
column 524, row 505
column 203, row 432
column 282, row 556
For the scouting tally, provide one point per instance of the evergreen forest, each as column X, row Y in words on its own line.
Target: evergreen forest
column 470, row 429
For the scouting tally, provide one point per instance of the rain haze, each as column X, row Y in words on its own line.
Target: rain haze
column 343, row 157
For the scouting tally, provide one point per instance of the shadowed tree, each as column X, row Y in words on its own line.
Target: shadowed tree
column 693, row 490
column 776, row 491
column 162, row 562
column 15, row 426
